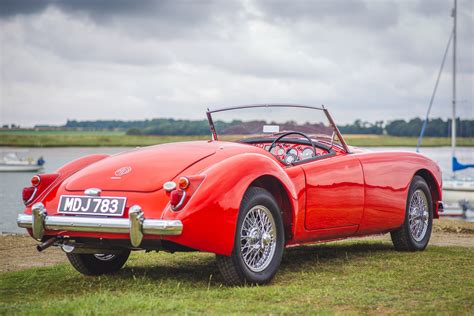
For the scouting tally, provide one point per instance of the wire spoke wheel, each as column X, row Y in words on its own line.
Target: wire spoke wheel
column 259, row 241
column 418, row 215
column 258, row 238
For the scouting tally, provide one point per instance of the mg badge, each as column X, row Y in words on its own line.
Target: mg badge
column 122, row 171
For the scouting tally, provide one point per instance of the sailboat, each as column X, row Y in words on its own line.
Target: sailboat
column 458, row 193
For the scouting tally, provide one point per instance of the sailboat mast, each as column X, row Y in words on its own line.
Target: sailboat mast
column 453, row 123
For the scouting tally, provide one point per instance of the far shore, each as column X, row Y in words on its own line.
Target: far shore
column 120, row 139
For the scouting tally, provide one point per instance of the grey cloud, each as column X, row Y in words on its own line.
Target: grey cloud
column 138, row 59
column 344, row 13
column 102, row 11
column 10, row 8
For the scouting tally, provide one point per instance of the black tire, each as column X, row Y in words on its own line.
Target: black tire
column 233, row 268
column 403, row 238
column 90, row 264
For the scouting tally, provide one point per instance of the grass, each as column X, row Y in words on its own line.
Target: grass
column 349, row 278
column 24, row 138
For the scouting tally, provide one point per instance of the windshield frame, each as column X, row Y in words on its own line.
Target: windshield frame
column 322, row 108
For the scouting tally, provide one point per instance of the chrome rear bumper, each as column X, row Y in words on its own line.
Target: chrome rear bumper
column 136, row 225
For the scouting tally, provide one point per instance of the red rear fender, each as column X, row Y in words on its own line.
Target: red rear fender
column 210, row 217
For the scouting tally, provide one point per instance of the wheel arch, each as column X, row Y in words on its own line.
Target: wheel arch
column 434, row 188
column 279, row 192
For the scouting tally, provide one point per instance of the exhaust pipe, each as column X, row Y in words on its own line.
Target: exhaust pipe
column 48, row 243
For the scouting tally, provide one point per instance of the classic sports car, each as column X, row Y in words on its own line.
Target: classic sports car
column 270, row 186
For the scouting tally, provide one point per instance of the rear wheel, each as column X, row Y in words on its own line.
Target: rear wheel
column 97, row 264
column 415, row 232
column 259, row 241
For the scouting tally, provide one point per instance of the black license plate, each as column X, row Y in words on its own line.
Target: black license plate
column 105, row 206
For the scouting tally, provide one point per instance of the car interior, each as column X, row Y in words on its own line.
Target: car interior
column 292, row 150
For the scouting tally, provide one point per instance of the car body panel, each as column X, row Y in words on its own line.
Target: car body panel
column 116, row 173
column 387, row 180
column 335, row 193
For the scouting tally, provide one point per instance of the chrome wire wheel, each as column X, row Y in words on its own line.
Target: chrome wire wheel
column 104, row 256
column 418, row 215
column 258, row 238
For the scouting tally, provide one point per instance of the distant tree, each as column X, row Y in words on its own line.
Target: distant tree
column 134, row 131
column 161, row 126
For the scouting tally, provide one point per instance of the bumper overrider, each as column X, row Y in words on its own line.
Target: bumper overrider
column 136, row 225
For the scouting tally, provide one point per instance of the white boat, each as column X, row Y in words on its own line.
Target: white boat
column 11, row 162
column 455, row 190
column 458, row 193
column 458, row 197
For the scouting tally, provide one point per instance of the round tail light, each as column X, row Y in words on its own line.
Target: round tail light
column 35, row 181
column 183, row 183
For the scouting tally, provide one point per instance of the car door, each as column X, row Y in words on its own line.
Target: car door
column 334, row 193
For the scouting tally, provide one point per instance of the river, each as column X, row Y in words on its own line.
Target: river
column 11, row 184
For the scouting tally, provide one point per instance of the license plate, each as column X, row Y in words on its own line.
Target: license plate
column 105, row 206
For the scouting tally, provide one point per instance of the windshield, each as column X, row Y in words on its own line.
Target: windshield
column 270, row 121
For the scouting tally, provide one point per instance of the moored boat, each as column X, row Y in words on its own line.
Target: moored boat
column 11, row 162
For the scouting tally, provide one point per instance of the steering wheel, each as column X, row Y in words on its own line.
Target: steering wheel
column 291, row 133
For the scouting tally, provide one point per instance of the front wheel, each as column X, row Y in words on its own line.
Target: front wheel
column 259, row 241
column 415, row 232
column 97, row 264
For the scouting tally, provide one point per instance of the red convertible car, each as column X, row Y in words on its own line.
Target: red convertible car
column 254, row 189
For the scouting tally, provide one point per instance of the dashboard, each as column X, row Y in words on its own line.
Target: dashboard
column 291, row 153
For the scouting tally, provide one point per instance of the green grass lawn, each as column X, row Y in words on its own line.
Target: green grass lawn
column 24, row 138
column 349, row 277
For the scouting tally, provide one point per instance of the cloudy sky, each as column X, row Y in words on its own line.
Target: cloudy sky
column 124, row 59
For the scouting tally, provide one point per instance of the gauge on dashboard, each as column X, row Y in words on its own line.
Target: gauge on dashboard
column 278, row 151
column 290, row 158
column 292, row 151
column 307, row 153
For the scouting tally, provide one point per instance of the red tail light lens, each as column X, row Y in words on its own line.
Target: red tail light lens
column 177, row 198
column 40, row 183
column 182, row 192
column 28, row 194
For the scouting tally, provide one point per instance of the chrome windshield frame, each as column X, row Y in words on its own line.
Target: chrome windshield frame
column 322, row 108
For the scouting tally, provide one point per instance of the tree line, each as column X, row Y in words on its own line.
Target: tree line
column 435, row 128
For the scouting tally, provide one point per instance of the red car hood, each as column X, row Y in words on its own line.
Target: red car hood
column 141, row 170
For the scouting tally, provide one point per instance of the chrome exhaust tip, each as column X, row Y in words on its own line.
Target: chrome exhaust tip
column 48, row 243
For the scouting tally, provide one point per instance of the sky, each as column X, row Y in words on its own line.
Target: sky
column 133, row 60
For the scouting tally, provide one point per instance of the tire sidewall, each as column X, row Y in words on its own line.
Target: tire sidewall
column 262, row 197
column 419, row 183
column 88, row 264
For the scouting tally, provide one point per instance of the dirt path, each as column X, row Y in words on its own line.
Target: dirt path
column 437, row 239
column 19, row 252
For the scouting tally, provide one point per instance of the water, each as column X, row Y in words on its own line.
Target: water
column 11, row 184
